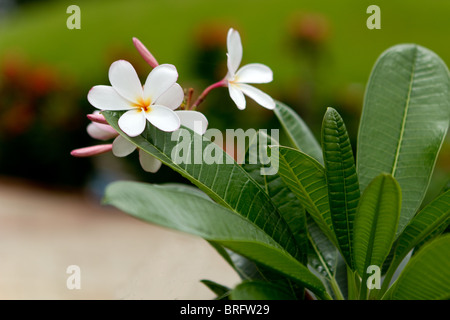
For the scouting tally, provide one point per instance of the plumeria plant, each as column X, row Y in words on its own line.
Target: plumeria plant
column 324, row 225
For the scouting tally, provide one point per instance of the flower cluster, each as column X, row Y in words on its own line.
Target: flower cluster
column 160, row 100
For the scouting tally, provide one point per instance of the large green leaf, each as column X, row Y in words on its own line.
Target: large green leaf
column 404, row 122
column 431, row 220
column 168, row 207
column 427, row 275
column 258, row 290
column 306, row 179
column 343, row 186
column 376, row 222
column 225, row 181
column 298, row 132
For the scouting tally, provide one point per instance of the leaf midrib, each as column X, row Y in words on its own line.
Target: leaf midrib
column 405, row 115
column 299, row 184
column 317, row 165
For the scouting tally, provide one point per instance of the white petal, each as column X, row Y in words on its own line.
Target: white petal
column 254, row 73
column 106, row 98
column 163, row 118
column 101, row 131
column 148, row 162
column 172, row 98
column 132, row 122
column 237, row 96
column 159, row 81
column 125, row 80
column 193, row 120
column 122, row 147
column 234, row 47
column 260, row 97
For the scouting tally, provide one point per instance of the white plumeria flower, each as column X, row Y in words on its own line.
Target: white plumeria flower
column 121, row 147
column 142, row 103
column 250, row 73
column 191, row 119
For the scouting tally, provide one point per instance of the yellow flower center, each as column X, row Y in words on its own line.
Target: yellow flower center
column 143, row 105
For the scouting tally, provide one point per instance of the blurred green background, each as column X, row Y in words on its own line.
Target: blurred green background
column 321, row 53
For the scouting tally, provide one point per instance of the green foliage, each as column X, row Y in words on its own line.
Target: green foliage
column 404, row 122
column 226, row 183
column 298, row 132
column 342, row 181
column 307, row 226
column 376, row 222
column 426, row 276
column 257, row 290
column 306, row 179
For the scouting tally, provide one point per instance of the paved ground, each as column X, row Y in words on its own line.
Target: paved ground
column 43, row 232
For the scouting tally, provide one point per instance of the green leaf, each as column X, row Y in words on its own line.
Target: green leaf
column 427, row 275
column 404, row 122
column 343, row 186
column 245, row 268
column 440, row 229
column 323, row 254
column 186, row 189
column 376, row 222
column 291, row 210
column 225, row 182
column 323, row 257
column 258, row 290
column 298, row 132
column 250, row 270
column 434, row 217
column 170, row 208
column 226, row 255
column 221, row 291
column 306, row 179
column 284, row 200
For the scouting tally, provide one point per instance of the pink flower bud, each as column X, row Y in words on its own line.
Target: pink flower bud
column 148, row 57
column 91, row 151
column 95, row 117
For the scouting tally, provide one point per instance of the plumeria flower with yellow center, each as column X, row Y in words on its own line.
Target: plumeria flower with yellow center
column 142, row 104
column 99, row 129
column 251, row 73
column 121, row 147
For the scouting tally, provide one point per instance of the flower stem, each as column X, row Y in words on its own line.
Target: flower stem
column 221, row 83
column 189, row 98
